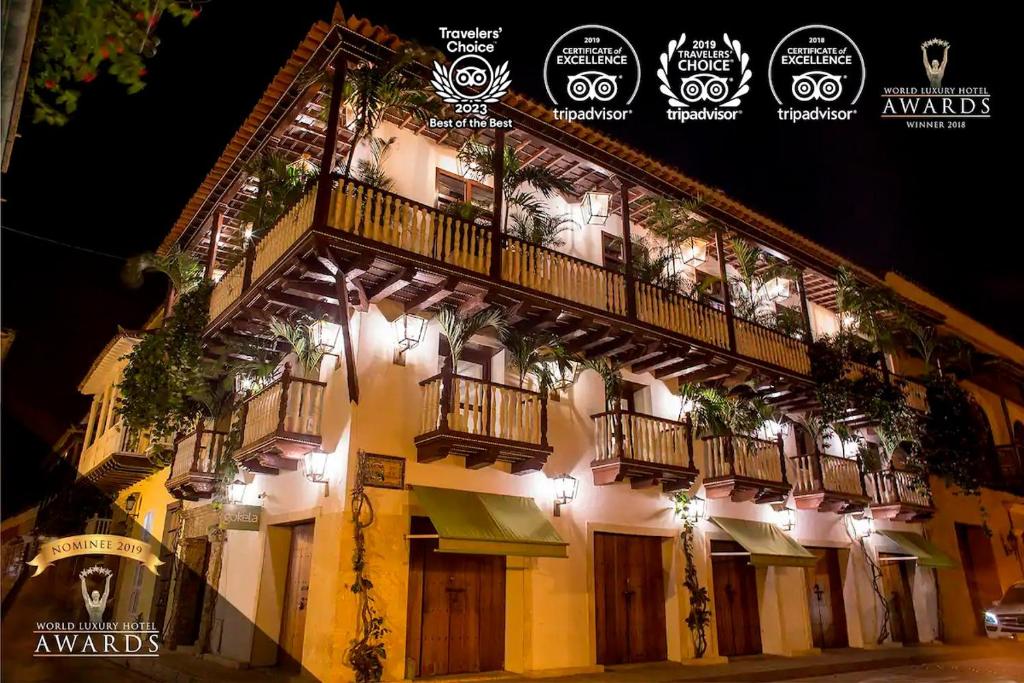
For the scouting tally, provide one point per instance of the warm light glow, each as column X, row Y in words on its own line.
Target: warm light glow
column 777, row 289
column 695, row 510
column 861, row 527
column 773, row 428
column 686, row 406
column 409, row 331
column 218, row 273
column 595, row 207
column 247, row 233
column 564, row 373
column 566, row 486
column 236, row 491
column 314, row 466
column 325, row 335
column 785, row 519
column 847, row 321
column 693, row 251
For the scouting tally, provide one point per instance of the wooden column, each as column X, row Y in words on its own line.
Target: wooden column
column 726, row 298
column 689, row 441
column 323, row 188
column 211, row 252
column 499, row 198
column 341, row 290
column 627, row 251
column 543, row 418
column 808, row 336
column 782, row 457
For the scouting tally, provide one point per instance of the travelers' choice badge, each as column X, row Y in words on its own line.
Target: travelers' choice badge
column 816, row 73
column 473, row 80
column 704, row 79
column 592, row 73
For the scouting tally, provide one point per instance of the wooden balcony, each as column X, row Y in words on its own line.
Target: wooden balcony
column 744, row 468
column 483, row 421
column 827, row 483
column 197, row 457
column 388, row 247
column 282, row 423
column 118, row 458
column 1009, row 469
column 643, row 449
column 899, row 494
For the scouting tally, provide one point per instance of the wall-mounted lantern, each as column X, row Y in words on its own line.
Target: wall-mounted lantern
column 236, row 491
column 778, row 289
column 409, row 331
column 774, row 428
column 566, row 486
column 595, row 207
column 694, row 511
column 861, row 527
column 564, row 373
column 314, row 466
column 785, row 518
column 693, row 251
column 132, row 504
column 324, row 335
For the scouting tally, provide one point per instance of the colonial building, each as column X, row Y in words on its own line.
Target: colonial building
column 516, row 528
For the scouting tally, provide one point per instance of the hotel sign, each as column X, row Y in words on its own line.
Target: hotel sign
column 384, row 471
column 241, row 517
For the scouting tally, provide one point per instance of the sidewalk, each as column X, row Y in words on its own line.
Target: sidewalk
column 178, row 667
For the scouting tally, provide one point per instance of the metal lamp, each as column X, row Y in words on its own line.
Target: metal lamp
column 566, row 486
column 595, row 207
column 409, row 331
column 778, row 288
column 314, row 466
column 693, row 251
column 325, row 335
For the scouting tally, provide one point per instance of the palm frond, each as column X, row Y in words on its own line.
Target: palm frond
column 458, row 329
column 182, row 269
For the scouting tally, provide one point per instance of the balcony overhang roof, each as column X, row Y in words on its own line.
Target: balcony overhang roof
column 118, row 471
column 95, row 380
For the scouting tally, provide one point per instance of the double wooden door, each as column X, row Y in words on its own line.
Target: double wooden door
column 979, row 568
column 630, row 599
column 899, row 597
column 296, row 596
column 825, row 600
column 735, row 607
column 456, row 612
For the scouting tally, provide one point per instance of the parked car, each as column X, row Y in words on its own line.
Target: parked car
column 1005, row 618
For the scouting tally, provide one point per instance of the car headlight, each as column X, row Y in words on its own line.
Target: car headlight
column 991, row 619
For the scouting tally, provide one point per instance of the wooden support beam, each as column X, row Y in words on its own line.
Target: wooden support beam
column 627, row 252
column 211, row 251
column 612, row 347
column 311, row 287
column 476, row 461
column 657, row 361
column 346, row 335
column 432, row 296
column 587, row 339
column 325, row 182
column 723, row 273
column 390, row 286
column 705, row 374
column 499, row 198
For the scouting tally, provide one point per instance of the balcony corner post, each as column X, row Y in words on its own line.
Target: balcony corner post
column 211, row 252
column 250, row 256
column 689, row 440
column 730, row 324
column 543, row 417
column 782, row 458
column 863, row 476
column 499, row 198
column 804, row 308
column 446, row 399
column 627, row 251
column 286, row 380
column 730, row 453
column 323, row 187
column 197, row 446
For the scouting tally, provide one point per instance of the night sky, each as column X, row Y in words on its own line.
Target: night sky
column 935, row 205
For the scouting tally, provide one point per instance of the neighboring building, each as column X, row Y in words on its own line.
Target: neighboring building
column 21, row 18
column 473, row 458
column 6, row 341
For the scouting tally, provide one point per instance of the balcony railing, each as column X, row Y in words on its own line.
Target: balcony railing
column 484, row 421
column 744, row 468
column 282, row 422
column 899, row 494
column 827, row 482
column 386, row 219
column 98, row 525
column 645, row 449
column 197, row 457
column 1010, row 461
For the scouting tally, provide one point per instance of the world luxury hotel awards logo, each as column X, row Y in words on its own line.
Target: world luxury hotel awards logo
column 937, row 105
column 703, row 78
column 816, row 73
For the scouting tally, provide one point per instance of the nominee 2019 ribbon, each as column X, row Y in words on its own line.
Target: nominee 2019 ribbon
column 94, row 544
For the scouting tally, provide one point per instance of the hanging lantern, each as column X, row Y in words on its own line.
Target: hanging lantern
column 564, row 373
column 314, row 466
column 236, row 491
column 566, row 486
column 325, row 335
column 777, row 289
column 595, row 207
column 693, row 251
column 694, row 511
column 409, row 331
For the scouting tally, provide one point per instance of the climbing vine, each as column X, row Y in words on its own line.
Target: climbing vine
column 367, row 652
column 699, row 617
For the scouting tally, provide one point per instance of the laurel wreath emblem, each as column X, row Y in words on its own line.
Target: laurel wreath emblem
column 733, row 99
column 498, row 84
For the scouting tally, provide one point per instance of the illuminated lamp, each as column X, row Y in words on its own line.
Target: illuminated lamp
column 566, row 486
column 595, row 207
column 409, row 332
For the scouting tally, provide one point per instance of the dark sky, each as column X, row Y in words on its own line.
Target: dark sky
column 934, row 205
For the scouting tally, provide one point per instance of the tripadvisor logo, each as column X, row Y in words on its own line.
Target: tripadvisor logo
column 592, row 73
column 816, row 73
column 704, row 78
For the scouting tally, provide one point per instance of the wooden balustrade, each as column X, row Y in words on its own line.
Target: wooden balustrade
column 505, row 422
column 827, row 483
column 286, row 232
column 389, row 219
column 551, row 272
column 770, row 346
column 197, row 458
column 98, row 525
column 916, row 394
column 644, row 449
column 899, row 494
column 682, row 315
column 744, row 468
column 227, row 290
column 283, row 418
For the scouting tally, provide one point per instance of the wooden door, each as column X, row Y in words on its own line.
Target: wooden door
column 979, row 564
column 456, row 612
column 896, row 585
column 190, row 591
column 296, row 595
column 825, row 600
column 735, row 607
column 162, row 590
column 629, row 599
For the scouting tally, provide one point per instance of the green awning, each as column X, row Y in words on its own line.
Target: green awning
column 766, row 543
column 915, row 545
column 489, row 524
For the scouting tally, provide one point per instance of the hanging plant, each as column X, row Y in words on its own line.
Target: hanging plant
column 458, row 329
column 371, row 171
column 279, row 184
column 299, row 334
column 699, row 618
column 78, row 39
column 956, row 441
column 367, row 652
